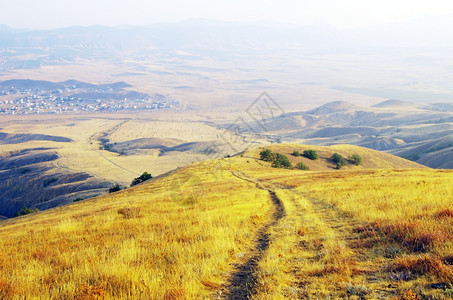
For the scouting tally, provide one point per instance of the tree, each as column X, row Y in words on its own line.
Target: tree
column 296, row 153
column 355, row 159
column 311, row 154
column 144, row 177
column 267, row 155
column 302, row 166
column 281, row 161
column 339, row 160
column 115, row 188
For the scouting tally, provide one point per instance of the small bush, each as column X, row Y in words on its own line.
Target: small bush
column 281, row 161
column 115, row 188
column 296, row 153
column 302, row 166
column 339, row 160
column 355, row 159
column 267, row 155
column 78, row 199
column 310, row 154
column 26, row 211
column 142, row 178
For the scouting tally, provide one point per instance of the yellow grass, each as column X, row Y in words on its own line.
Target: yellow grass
column 143, row 242
column 358, row 232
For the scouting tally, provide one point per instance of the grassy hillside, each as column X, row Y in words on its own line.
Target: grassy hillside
column 237, row 227
column 371, row 159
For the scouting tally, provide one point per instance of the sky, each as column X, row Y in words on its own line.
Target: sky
column 46, row 14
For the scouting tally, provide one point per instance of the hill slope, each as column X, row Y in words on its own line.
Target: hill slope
column 372, row 159
column 236, row 227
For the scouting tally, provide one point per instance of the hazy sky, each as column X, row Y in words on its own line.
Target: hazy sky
column 42, row 14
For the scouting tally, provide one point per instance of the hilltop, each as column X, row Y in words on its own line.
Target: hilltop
column 372, row 159
column 237, row 227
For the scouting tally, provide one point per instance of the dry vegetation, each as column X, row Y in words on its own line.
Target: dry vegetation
column 359, row 233
column 156, row 240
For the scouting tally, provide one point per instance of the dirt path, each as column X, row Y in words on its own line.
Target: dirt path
column 348, row 235
column 243, row 282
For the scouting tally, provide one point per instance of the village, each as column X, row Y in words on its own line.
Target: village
column 73, row 99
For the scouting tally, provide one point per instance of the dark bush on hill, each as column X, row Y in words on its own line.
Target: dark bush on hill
column 339, row 160
column 26, row 211
column 281, row 161
column 144, row 177
column 302, row 166
column 311, row 154
column 355, row 160
column 115, row 188
column 267, row 155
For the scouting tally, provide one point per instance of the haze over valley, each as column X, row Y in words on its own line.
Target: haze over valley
column 226, row 157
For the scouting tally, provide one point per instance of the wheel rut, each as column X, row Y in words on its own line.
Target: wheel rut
column 345, row 232
column 243, row 282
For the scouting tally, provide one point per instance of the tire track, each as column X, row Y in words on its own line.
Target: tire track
column 243, row 282
column 345, row 232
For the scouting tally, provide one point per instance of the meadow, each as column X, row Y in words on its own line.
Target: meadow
column 289, row 234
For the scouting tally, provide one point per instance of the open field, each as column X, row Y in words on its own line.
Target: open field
column 237, row 227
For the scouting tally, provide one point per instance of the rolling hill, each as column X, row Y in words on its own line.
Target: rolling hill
column 414, row 131
column 236, row 227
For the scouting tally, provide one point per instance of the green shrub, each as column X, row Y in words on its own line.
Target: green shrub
column 355, row 159
column 267, row 155
column 78, row 199
column 26, row 211
column 144, row 177
column 281, row 161
column 296, row 153
column 115, row 188
column 339, row 160
column 302, row 166
column 311, row 154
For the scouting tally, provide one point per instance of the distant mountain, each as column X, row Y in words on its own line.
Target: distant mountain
column 211, row 37
column 48, row 85
column 396, row 103
column 332, row 107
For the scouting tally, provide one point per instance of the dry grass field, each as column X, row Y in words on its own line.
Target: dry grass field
column 236, row 228
column 83, row 153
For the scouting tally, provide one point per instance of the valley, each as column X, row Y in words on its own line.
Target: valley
column 282, row 161
column 105, row 149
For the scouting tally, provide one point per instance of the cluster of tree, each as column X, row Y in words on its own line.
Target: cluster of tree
column 340, row 161
column 26, row 211
column 278, row 160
